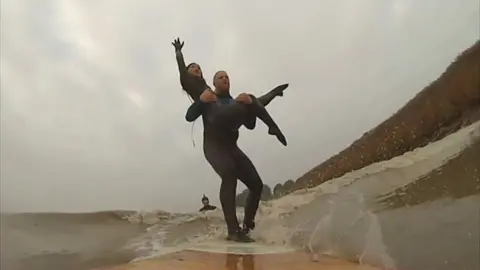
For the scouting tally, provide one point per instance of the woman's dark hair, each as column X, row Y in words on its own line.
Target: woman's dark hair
column 193, row 63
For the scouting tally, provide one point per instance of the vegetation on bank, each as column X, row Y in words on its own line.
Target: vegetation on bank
column 446, row 105
column 267, row 193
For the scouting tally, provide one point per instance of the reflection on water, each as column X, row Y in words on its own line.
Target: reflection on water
column 240, row 262
column 458, row 178
column 434, row 222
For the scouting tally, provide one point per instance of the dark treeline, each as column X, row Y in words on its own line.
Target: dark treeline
column 267, row 193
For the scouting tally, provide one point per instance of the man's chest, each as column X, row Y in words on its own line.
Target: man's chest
column 225, row 100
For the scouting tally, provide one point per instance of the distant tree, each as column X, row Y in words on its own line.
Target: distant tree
column 278, row 190
column 266, row 193
column 241, row 198
column 288, row 187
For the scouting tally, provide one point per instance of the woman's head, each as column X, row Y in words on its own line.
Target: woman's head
column 194, row 69
column 221, row 81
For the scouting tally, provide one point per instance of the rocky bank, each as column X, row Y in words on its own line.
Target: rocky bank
column 446, row 105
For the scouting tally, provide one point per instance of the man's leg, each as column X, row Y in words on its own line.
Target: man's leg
column 222, row 162
column 228, row 190
column 249, row 176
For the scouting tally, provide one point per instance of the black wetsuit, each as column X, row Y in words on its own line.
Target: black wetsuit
column 196, row 108
column 231, row 164
column 221, row 122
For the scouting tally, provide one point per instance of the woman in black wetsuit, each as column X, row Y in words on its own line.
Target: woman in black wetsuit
column 220, row 143
column 232, row 116
column 197, row 108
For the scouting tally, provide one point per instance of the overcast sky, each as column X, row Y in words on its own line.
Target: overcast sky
column 92, row 112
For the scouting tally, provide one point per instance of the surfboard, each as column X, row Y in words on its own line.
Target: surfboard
column 230, row 247
column 198, row 260
column 240, row 256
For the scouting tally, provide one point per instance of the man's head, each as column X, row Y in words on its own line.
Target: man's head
column 205, row 200
column 194, row 69
column 221, row 81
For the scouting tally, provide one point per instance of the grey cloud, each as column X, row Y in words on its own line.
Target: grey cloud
column 93, row 115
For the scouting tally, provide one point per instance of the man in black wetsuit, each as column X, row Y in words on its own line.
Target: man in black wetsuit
column 206, row 205
column 230, row 163
column 221, row 121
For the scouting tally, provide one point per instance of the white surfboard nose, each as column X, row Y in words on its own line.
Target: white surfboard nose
column 240, row 248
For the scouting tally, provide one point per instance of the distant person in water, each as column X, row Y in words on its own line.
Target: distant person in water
column 206, row 205
column 222, row 117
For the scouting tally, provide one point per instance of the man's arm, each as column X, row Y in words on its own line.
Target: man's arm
column 194, row 111
column 198, row 107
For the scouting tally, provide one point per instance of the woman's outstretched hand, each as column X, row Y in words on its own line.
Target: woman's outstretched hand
column 178, row 44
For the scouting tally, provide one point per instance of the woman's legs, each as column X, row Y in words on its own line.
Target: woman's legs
column 268, row 97
column 259, row 111
column 251, row 120
column 232, row 116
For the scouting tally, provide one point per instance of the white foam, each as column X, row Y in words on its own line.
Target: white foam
column 441, row 150
column 272, row 227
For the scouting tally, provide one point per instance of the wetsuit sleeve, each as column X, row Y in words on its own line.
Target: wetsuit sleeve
column 197, row 107
column 194, row 111
column 182, row 68
column 193, row 87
